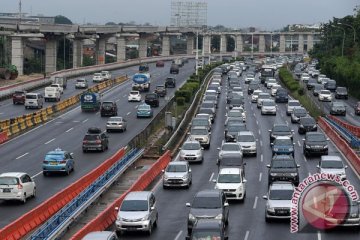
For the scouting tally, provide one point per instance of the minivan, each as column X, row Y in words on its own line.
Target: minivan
column 34, row 100
column 137, row 212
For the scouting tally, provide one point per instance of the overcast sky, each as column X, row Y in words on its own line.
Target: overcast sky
column 264, row 14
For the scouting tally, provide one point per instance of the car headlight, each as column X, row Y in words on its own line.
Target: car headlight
column 192, row 217
column 166, row 177
column 307, row 146
column 326, row 146
column 291, row 149
column 276, row 149
column 219, row 217
column 354, row 215
column 216, row 187
column 301, row 126
column 293, row 174
column 185, row 177
column 272, row 210
column 146, row 217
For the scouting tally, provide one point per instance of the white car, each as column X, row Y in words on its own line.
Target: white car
column 247, row 141
column 291, row 105
column 255, row 96
column 106, row 75
column 262, row 96
column 134, row 96
column 325, row 95
column 229, row 148
column 16, row 186
column 98, row 77
column 268, row 107
column 232, row 182
column 58, row 86
column 192, row 151
column 236, row 112
column 81, row 83
column 270, row 83
column 274, row 88
column 332, row 164
column 305, row 77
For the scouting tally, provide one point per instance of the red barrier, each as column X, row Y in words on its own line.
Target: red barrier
column 108, row 216
column 33, row 219
column 3, row 137
column 344, row 147
column 353, row 129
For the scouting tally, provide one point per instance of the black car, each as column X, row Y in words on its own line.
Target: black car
column 108, row 108
column 315, row 143
column 341, row 92
column 317, row 89
column 307, row 124
column 170, row 82
column 95, row 139
column 160, row 90
column 330, row 85
column 311, row 84
column 252, row 87
column 174, row 69
column 236, row 102
column 144, row 68
column 232, row 130
column 283, row 168
column 297, row 113
column 208, row 229
column 337, row 108
column 208, row 204
column 152, row 99
column 281, row 96
column 280, row 130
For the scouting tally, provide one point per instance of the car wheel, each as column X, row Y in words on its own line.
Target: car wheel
column 68, row 171
column 34, row 193
column 24, row 199
column 150, row 229
column 45, row 173
column 84, row 150
column 107, row 130
column 267, row 219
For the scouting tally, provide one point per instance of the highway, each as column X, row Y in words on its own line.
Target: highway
column 247, row 219
column 26, row 152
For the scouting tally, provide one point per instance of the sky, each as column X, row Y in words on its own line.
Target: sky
column 262, row 14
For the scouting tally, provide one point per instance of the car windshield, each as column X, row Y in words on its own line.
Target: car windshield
column 176, row 168
column 237, row 101
column 107, row 104
column 325, row 92
column 236, row 128
column 206, row 110
column 281, row 129
column 200, row 122
column 9, row 181
column 341, row 90
column 191, row 146
column 207, row 105
column 307, row 121
column 234, row 120
column 54, row 157
column 81, row 80
column 134, row 205
column 91, row 137
column 97, row 74
column 332, row 164
column 144, row 108
column 280, row 194
column 151, row 96
column 230, row 147
column 209, row 97
column 30, row 96
column 264, row 96
column 205, row 235
column 199, row 132
column 316, row 138
column 338, row 104
column 235, row 114
column 115, row 119
column 294, row 104
column 283, row 164
column 282, row 142
column 268, row 103
column 319, row 87
column 207, row 202
column 246, row 138
column 229, row 178
column 300, row 111
column 134, row 92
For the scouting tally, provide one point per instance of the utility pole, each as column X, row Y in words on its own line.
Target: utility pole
column 20, row 11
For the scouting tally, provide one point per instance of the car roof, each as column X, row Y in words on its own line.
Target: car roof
column 138, row 195
column 207, row 224
column 245, row 133
column 100, row 235
column 199, row 127
column 12, row 174
column 331, row 158
column 283, row 138
column 281, row 185
column 178, row 163
column 191, row 141
column 208, row 193
column 232, row 170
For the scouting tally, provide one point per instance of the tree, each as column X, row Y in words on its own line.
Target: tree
column 59, row 19
column 110, row 23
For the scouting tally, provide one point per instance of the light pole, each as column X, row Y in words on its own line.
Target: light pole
column 343, row 41
column 197, row 52
column 345, row 24
column 252, row 45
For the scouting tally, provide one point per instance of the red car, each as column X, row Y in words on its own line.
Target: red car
column 357, row 108
column 19, row 97
column 160, row 63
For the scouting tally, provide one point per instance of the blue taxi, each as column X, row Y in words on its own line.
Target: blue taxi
column 58, row 161
column 144, row 110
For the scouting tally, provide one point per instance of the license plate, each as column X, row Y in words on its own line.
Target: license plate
column 7, row 190
column 53, row 163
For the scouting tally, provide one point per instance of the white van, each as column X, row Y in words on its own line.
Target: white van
column 52, row 94
column 34, row 100
column 232, row 182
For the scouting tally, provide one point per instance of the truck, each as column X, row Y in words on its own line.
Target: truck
column 52, row 93
column 60, row 80
column 141, row 82
column 90, row 101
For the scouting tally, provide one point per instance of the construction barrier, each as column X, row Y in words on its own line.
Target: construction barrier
column 33, row 219
column 344, row 147
column 3, row 137
column 108, row 216
column 353, row 129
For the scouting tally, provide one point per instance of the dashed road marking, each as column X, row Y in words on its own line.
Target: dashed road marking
column 22, row 155
column 76, row 121
column 260, row 176
column 212, row 175
column 69, row 130
column 85, row 120
column 247, row 235
column 128, row 113
column 178, row 235
column 261, row 158
column 36, row 174
column 299, row 143
column 255, row 202
column 50, row 141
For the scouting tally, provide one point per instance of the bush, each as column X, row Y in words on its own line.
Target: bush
column 301, row 91
column 180, row 101
column 186, row 94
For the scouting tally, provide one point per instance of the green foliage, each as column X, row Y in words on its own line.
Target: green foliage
column 59, row 19
column 88, row 61
column 180, row 101
column 186, row 94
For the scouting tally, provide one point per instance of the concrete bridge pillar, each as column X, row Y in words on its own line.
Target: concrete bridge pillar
column 261, row 43
column 142, row 47
column 17, row 53
column 301, row 44
column 77, row 53
column 121, row 49
column 100, row 50
column 239, row 43
column 165, row 46
column 189, row 44
column 282, row 43
column 310, row 42
column 223, row 43
column 206, row 44
column 50, row 55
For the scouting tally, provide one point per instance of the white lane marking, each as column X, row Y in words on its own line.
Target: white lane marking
column 305, row 159
column 261, row 158
column 58, row 122
column 260, row 143
column 299, row 143
column 117, row 100
column 178, row 235
column 257, row 123
column 309, row 174
column 37, row 174
column 254, row 114
column 255, row 202
column 259, row 132
column 136, row 106
column 76, row 121
column 287, row 122
column 247, row 235
column 97, row 113
column 22, row 155
column 85, row 120
column 128, row 113
column 69, row 129
column 1, row 113
column 318, row 235
column 260, row 175
column 212, row 175
column 50, row 141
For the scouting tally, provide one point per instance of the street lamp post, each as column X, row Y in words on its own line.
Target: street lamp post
column 197, row 52
column 343, row 41
column 345, row 24
column 252, row 45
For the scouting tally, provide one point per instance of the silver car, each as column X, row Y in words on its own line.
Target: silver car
column 229, row 148
column 278, row 202
column 247, row 141
column 332, row 164
column 101, row 235
column 291, row 105
column 201, row 134
column 192, row 151
column 81, row 83
column 177, row 174
column 137, row 212
column 268, row 107
column 261, row 98
column 116, row 124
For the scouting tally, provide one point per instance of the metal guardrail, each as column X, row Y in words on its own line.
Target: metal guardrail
column 55, row 226
column 346, row 134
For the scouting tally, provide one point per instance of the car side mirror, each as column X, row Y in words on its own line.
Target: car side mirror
column 268, row 166
column 202, row 148
column 269, row 130
column 189, row 170
column 116, row 208
column 345, row 166
column 152, row 208
column 188, row 204
column 292, row 130
column 297, row 165
column 214, row 180
column 226, row 204
column 317, row 166
column 272, row 144
column 327, row 139
column 265, row 197
column 244, row 181
column 218, row 148
column 294, row 144
column 163, row 171
column 303, row 139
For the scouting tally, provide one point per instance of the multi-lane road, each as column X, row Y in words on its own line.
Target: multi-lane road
column 247, row 219
column 26, row 152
